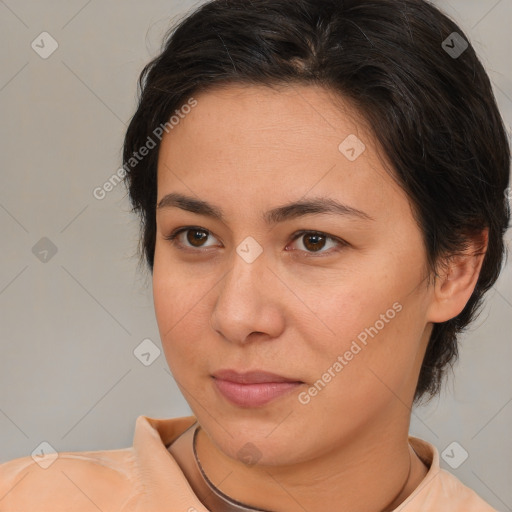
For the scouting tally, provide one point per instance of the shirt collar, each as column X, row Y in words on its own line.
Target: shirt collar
column 162, row 485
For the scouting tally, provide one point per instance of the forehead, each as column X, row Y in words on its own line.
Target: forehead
column 294, row 118
column 261, row 143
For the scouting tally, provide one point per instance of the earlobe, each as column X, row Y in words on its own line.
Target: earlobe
column 457, row 279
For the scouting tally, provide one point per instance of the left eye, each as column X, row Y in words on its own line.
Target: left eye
column 311, row 241
column 315, row 241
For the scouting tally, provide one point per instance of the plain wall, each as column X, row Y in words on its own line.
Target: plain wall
column 69, row 326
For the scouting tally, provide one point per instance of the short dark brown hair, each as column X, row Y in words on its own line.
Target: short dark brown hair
column 403, row 64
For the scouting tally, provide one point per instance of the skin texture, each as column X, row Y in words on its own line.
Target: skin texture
column 301, row 303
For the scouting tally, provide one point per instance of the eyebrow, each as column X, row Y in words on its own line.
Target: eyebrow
column 280, row 214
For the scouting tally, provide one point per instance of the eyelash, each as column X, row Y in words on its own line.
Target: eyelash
column 341, row 243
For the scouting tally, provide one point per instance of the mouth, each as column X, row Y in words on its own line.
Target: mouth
column 253, row 388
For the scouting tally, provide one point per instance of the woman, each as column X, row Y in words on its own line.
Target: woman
column 321, row 188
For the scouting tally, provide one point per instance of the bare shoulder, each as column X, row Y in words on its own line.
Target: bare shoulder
column 68, row 481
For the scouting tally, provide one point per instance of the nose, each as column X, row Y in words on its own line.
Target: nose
column 249, row 305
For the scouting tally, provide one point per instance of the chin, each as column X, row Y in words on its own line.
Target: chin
column 263, row 440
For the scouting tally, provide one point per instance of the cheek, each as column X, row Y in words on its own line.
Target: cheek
column 176, row 293
column 377, row 356
column 376, row 325
column 181, row 304
column 358, row 305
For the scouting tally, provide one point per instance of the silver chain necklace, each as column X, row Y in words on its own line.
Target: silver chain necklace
column 217, row 500
column 212, row 497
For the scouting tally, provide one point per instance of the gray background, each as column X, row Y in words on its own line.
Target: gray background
column 69, row 326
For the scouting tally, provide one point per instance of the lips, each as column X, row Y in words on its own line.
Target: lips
column 253, row 388
column 252, row 377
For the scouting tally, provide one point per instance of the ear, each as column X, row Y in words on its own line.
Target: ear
column 457, row 279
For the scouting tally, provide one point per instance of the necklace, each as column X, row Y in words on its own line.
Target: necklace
column 217, row 501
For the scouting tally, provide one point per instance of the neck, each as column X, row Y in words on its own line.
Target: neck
column 371, row 473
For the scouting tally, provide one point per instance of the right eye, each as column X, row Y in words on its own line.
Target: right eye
column 189, row 237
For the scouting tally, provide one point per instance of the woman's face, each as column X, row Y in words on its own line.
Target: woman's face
column 330, row 295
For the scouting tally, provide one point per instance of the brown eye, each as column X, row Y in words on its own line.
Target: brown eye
column 314, row 242
column 196, row 237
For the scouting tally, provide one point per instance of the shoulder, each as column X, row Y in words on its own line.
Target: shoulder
column 440, row 490
column 144, row 475
column 68, row 481
column 461, row 498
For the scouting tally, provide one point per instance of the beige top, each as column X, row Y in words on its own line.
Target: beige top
column 146, row 477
